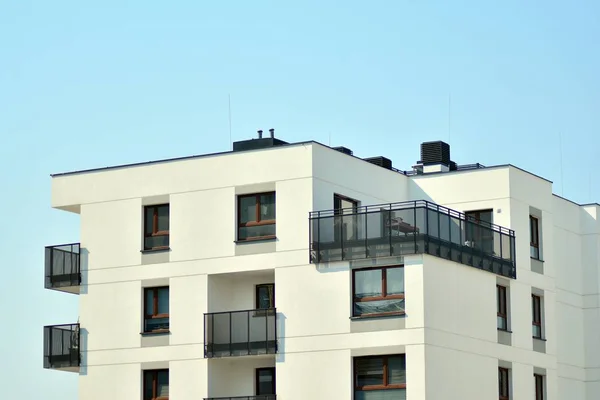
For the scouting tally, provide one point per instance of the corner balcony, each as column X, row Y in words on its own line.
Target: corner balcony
column 413, row 227
column 240, row 333
column 62, row 269
column 61, row 347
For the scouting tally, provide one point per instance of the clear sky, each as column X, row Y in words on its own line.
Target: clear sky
column 85, row 86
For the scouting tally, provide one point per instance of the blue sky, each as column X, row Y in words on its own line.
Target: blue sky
column 85, row 86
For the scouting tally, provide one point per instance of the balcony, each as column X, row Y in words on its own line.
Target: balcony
column 259, row 397
column 61, row 347
column 414, row 227
column 240, row 333
column 62, row 270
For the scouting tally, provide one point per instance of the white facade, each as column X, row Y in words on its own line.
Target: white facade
column 448, row 332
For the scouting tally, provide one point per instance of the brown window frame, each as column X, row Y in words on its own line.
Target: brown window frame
column 383, row 296
column 503, row 373
column 258, row 221
column 155, row 231
column 502, row 305
column 257, row 303
column 385, row 385
column 534, row 235
column 257, row 374
column 154, row 373
column 536, row 311
column 539, row 386
column 155, row 314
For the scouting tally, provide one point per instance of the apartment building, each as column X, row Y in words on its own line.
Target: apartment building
column 296, row 271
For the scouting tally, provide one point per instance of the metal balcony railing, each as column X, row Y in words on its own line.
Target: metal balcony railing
column 240, row 333
column 62, row 268
column 259, row 397
column 412, row 227
column 61, row 347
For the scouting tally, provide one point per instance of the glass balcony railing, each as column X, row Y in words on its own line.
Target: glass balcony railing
column 257, row 397
column 240, row 333
column 61, row 347
column 414, row 227
column 62, row 269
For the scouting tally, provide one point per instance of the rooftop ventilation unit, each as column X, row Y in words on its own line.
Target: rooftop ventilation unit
column 259, row 143
column 344, row 150
column 380, row 161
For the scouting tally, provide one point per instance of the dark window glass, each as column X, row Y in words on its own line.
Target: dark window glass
column 256, row 216
column 479, row 234
column 265, row 296
column 378, row 291
column 501, row 307
column 539, row 387
column 265, row 381
column 534, row 237
column 156, row 227
column 345, row 220
column 156, row 384
column 536, row 310
column 503, row 384
column 380, row 378
column 156, row 316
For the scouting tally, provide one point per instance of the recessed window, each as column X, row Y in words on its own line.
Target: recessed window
column 539, row 386
column 156, row 384
column 378, row 291
column 534, row 237
column 265, row 381
column 503, row 384
column 478, row 233
column 256, row 216
column 265, row 296
column 156, row 309
column 536, row 311
column 501, row 307
column 345, row 221
column 381, row 377
column 156, row 227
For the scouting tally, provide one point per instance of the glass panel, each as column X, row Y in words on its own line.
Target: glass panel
column 247, row 232
column 432, row 223
column 265, row 382
column 537, row 331
column 502, row 323
column 247, row 209
column 369, row 371
column 153, row 242
column 394, row 394
column 149, row 301
column 267, row 206
column 377, row 307
column 265, row 296
column 163, row 218
column 396, row 370
column 156, row 323
column 395, row 281
column 534, row 252
column 163, row 301
column 148, row 381
column 162, row 389
column 149, row 220
column 367, row 283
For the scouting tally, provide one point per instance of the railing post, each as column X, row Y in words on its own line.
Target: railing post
column 248, row 337
column 267, row 331
column 341, row 217
column 212, row 317
column 390, row 230
column 230, row 332
column 275, row 322
column 366, row 234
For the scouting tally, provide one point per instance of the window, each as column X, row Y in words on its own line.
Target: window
column 156, row 309
column 503, row 384
column 378, row 291
column 265, row 296
column 380, row 378
column 156, row 227
column 345, row 221
column 256, row 216
column 501, row 307
column 265, row 381
column 536, row 310
column 534, row 237
column 539, row 386
column 478, row 232
column 156, row 384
